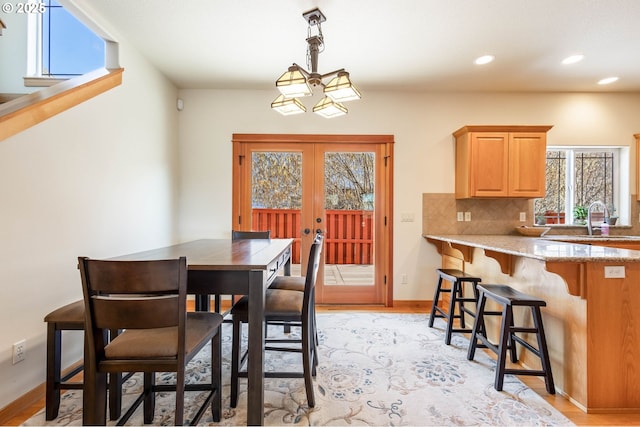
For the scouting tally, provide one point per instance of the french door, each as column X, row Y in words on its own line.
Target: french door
column 340, row 186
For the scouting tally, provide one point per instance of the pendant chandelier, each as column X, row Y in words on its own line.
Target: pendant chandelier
column 298, row 82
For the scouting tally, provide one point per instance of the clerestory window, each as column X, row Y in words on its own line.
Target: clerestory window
column 579, row 176
column 60, row 46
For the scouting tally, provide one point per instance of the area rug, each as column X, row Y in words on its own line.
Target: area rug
column 375, row 369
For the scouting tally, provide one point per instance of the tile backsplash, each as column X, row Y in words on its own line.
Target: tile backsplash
column 494, row 216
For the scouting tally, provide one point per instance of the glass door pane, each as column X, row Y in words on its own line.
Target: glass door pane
column 349, row 199
column 276, row 197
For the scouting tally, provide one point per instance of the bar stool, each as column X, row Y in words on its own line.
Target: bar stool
column 70, row 318
column 508, row 297
column 457, row 278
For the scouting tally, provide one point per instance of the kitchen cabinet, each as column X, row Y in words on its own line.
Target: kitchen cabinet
column 637, row 135
column 500, row 161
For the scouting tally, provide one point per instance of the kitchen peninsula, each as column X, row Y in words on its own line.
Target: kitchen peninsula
column 592, row 318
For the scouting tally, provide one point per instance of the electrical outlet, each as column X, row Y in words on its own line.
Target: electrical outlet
column 467, row 216
column 460, row 216
column 523, row 216
column 19, row 351
column 404, row 279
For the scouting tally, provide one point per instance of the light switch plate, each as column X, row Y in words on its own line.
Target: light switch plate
column 467, row 216
column 460, row 216
column 614, row 272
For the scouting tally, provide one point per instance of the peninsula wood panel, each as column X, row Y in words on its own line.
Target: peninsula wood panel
column 613, row 345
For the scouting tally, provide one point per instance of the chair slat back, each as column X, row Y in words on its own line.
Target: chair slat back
column 134, row 294
column 312, row 270
column 113, row 312
column 243, row 235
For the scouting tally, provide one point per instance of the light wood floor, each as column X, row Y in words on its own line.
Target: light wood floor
column 28, row 407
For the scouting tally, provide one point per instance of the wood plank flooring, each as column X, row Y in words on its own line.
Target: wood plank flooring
column 23, row 408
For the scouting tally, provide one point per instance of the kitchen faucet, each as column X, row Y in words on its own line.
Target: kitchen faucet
column 591, row 206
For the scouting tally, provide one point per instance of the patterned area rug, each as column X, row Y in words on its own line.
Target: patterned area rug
column 375, row 369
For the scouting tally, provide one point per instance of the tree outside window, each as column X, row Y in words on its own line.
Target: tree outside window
column 575, row 178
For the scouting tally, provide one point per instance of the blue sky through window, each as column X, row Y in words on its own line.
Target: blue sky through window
column 68, row 46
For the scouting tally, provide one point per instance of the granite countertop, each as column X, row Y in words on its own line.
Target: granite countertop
column 543, row 248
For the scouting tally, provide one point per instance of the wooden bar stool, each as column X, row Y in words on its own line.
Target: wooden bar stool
column 508, row 297
column 70, row 318
column 457, row 278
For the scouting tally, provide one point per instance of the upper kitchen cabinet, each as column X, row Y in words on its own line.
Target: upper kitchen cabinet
column 500, row 161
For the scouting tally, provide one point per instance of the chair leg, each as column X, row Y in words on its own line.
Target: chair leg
column 452, row 311
column 505, row 342
column 54, row 338
column 216, row 375
column 179, row 416
column 115, row 395
column 478, row 326
column 459, row 295
column 436, row 299
column 307, row 362
column 544, row 352
column 149, row 404
column 235, row 361
column 94, row 398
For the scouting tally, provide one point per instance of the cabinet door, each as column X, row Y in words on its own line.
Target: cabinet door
column 489, row 164
column 527, row 160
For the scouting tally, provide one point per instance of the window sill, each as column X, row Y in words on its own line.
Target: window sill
column 33, row 81
column 29, row 110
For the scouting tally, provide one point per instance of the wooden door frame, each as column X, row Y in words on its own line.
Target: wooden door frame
column 238, row 139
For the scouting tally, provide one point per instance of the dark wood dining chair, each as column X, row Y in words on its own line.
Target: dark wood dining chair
column 239, row 235
column 147, row 301
column 296, row 283
column 285, row 307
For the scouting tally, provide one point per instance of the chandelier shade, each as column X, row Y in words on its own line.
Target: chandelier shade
column 340, row 88
column 288, row 106
column 293, row 83
column 329, row 109
column 298, row 82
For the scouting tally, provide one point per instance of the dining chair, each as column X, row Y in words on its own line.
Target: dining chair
column 147, row 301
column 241, row 235
column 288, row 308
column 296, row 283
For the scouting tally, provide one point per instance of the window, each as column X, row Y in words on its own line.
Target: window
column 577, row 177
column 61, row 46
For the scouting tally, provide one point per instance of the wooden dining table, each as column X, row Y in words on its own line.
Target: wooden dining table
column 227, row 267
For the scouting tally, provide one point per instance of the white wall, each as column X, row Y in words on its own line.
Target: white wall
column 424, row 150
column 13, row 54
column 98, row 180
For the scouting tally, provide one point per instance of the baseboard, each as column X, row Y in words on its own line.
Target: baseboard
column 29, row 403
column 14, row 413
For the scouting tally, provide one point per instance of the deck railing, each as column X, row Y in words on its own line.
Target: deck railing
column 348, row 238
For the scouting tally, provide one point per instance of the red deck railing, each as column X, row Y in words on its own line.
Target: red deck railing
column 348, row 238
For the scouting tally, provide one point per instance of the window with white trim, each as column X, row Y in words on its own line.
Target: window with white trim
column 577, row 177
column 60, row 46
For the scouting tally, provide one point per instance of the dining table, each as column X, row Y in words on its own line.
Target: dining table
column 233, row 267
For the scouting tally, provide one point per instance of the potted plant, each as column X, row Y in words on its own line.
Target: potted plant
column 613, row 217
column 580, row 215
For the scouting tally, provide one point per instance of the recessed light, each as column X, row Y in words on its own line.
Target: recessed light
column 607, row 80
column 485, row 59
column 572, row 59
